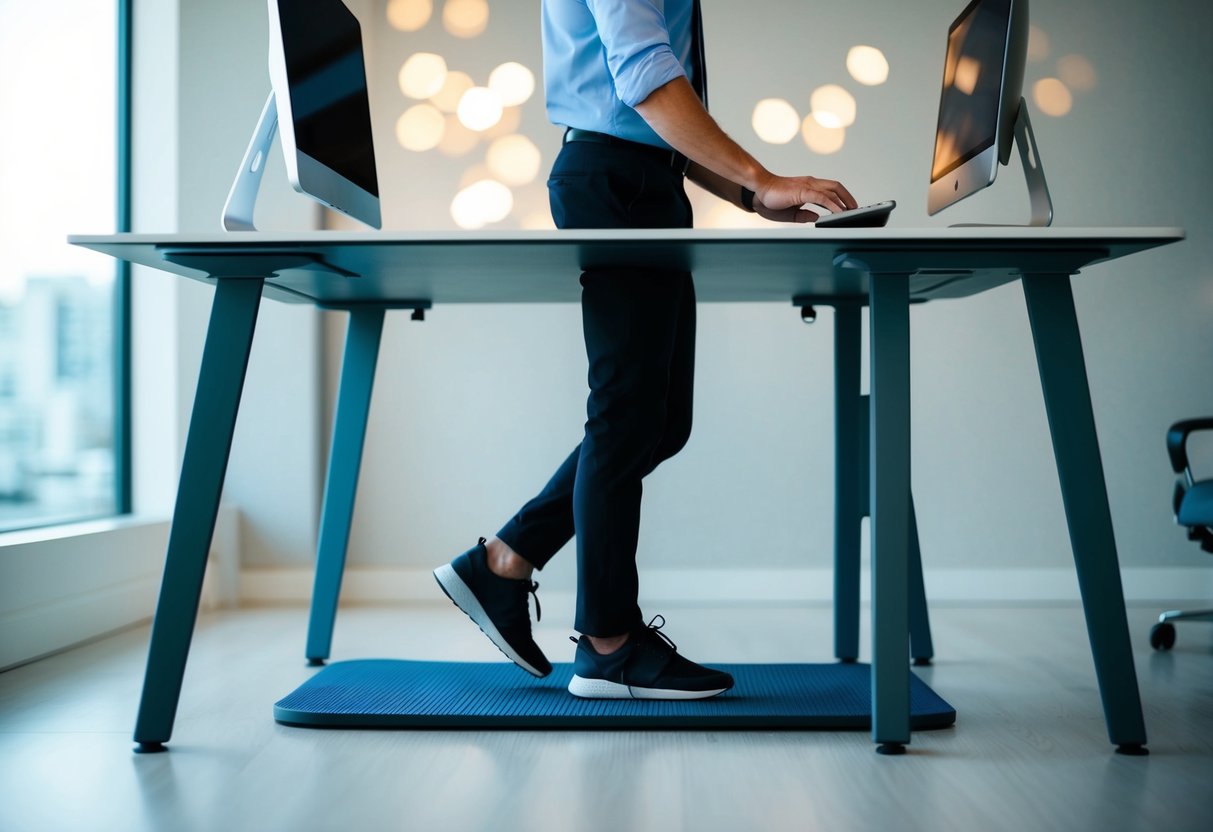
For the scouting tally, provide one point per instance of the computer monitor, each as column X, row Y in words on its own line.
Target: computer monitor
column 981, row 107
column 319, row 100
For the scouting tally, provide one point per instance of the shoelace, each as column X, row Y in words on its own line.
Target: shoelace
column 655, row 629
column 532, row 587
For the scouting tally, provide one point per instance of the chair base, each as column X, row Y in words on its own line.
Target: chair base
column 1162, row 634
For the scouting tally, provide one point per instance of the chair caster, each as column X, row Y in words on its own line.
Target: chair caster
column 1162, row 636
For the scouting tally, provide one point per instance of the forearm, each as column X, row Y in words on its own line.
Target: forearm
column 716, row 184
column 676, row 114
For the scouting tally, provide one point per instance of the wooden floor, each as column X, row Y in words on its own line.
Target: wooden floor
column 1029, row 751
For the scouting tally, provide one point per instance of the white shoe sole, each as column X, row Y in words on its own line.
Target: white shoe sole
column 602, row 689
column 465, row 599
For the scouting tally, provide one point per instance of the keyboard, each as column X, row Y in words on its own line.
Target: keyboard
column 867, row 216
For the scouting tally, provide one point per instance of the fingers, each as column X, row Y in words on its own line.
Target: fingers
column 833, row 195
column 795, row 192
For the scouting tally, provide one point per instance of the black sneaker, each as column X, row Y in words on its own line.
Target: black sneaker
column 646, row 667
column 497, row 605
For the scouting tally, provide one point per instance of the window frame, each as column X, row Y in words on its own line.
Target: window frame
column 123, row 462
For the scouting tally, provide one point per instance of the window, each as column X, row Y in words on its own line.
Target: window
column 62, row 309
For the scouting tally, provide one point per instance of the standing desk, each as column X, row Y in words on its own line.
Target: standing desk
column 883, row 269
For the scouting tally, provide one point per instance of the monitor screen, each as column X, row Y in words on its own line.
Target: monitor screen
column 329, row 106
column 969, row 105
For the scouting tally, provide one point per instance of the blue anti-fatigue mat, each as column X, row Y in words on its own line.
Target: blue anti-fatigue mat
column 384, row 693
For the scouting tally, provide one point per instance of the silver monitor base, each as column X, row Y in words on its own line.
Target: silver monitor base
column 1034, row 173
column 242, row 199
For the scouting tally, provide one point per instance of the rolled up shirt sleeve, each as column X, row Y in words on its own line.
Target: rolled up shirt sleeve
column 636, row 42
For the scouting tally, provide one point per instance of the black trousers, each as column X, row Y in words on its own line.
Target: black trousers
column 639, row 327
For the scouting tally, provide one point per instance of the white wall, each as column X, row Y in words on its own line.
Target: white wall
column 476, row 406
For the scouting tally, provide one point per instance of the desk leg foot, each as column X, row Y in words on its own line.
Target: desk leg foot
column 315, row 662
column 150, row 748
column 848, row 660
column 1133, row 749
column 922, row 661
column 891, row 749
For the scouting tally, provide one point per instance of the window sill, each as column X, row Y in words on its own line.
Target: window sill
column 62, row 585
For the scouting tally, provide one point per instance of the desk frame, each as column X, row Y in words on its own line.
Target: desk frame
column 241, row 274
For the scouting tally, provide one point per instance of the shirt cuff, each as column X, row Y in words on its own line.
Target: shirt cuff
column 640, row 76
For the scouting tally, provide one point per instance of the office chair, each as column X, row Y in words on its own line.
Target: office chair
column 1193, row 503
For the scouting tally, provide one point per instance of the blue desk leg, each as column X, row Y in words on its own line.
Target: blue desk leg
column 852, row 427
column 921, row 647
column 229, row 338
column 1067, row 396
column 345, row 460
column 849, row 479
column 890, row 504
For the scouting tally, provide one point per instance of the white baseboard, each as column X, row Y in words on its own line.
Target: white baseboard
column 711, row 586
column 72, row 583
column 67, row 584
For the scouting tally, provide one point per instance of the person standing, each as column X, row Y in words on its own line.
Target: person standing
column 628, row 82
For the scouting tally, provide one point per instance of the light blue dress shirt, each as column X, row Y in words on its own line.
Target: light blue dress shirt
column 603, row 57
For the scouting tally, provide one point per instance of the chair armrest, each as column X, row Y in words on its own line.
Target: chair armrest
column 1177, row 440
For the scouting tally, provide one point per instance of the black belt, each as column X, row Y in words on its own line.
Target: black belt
column 673, row 158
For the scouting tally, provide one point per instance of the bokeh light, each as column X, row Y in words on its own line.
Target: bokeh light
column 457, row 140
column 420, row 128
column 513, row 83
column 514, row 159
column 474, row 174
column 465, row 18
column 409, row 15
column 479, row 108
column 511, row 117
column 1052, row 97
column 422, row 75
column 822, row 139
column 1038, row 43
column 833, row 106
column 968, row 69
column 775, row 121
column 453, row 88
column 1076, row 72
column 483, row 202
column 867, row 65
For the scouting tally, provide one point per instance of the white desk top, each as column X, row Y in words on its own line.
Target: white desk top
column 338, row 268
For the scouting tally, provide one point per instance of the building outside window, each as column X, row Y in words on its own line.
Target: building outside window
column 61, row 307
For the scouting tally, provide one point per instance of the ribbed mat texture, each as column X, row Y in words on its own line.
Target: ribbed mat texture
column 389, row 693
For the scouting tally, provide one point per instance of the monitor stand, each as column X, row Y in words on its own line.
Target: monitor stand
column 242, row 199
column 1034, row 173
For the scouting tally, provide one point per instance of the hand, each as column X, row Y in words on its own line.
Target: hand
column 782, row 198
column 796, row 214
